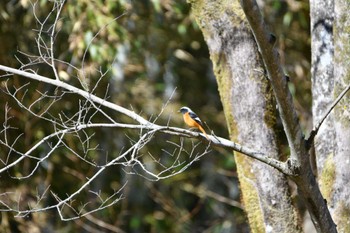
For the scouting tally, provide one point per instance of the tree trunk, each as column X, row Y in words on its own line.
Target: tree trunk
column 250, row 112
column 322, row 52
column 330, row 27
column 339, row 199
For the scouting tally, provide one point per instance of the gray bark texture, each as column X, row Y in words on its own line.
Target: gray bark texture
column 339, row 199
column 322, row 53
column 330, row 34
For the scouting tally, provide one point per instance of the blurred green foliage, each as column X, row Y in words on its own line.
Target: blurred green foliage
column 151, row 49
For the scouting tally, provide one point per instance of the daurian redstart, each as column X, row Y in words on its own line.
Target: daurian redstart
column 192, row 120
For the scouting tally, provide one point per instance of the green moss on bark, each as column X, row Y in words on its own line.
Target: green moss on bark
column 327, row 177
column 250, row 195
column 342, row 217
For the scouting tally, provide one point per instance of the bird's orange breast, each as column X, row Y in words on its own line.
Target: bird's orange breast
column 189, row 121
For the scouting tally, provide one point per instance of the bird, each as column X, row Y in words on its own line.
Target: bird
column 192, row 120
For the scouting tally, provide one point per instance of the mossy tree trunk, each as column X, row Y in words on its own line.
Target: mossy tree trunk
column 250, row 111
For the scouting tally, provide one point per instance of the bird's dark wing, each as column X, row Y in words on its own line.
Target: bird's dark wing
column 196, row 118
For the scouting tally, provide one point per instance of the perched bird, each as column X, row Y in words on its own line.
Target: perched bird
column 192, row 120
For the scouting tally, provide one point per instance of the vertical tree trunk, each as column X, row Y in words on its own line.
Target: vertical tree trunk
column 322, row 52
column 250, row 112
column 330, row 31
column 339, row 202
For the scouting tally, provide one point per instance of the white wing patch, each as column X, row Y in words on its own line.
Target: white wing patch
column 195, row 117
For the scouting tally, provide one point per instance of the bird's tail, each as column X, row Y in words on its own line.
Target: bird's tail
column 203, row 131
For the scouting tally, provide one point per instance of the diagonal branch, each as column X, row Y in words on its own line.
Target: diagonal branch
column 317, row 127
column 280, row 166
column 78, row 91
column 144, row 124
column 265, row 41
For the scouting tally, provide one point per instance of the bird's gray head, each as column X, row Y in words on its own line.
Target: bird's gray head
column 185, row 109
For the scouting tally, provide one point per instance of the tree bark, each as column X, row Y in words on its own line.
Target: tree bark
column 322, row 77
column 330, row 26
column 339, row 199
column 250, row 113
column 322, row 53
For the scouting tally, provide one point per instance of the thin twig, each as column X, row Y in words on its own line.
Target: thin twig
column 318, row 125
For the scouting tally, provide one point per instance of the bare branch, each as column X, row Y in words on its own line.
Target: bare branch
column 148, row 125
column 78, row 91
column 90, row 43
column 318, row 125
